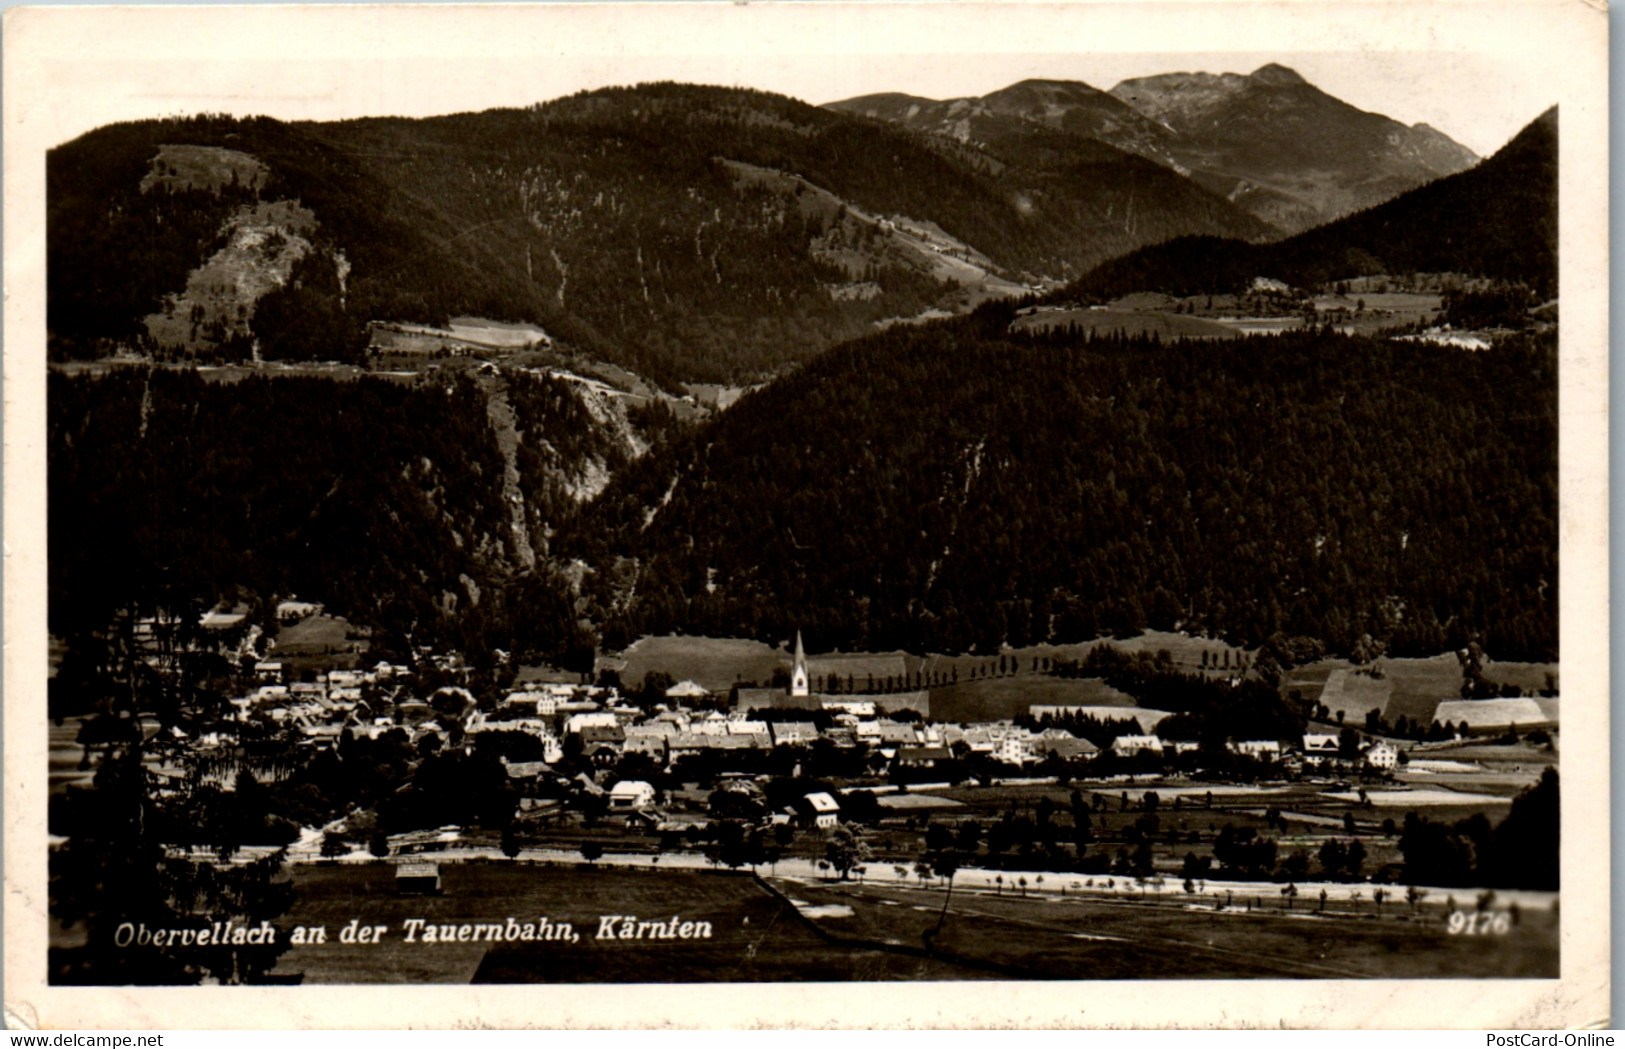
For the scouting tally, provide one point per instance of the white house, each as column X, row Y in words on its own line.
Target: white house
column 1014, row 749
column 1382, row 755
column 591, row 719
column 1268, row 749
column 1135, row 744
column 687, row 690
column 822, row 811
column 631, row 795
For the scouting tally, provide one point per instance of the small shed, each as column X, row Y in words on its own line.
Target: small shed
column 417, row 878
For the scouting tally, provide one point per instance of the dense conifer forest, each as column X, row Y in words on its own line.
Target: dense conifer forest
column 958, row 486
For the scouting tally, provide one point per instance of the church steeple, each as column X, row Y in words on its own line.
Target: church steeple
column 798, row 671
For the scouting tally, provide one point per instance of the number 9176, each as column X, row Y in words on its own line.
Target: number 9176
column 1480, row 923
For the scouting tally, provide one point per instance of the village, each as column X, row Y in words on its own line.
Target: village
column 784, row 773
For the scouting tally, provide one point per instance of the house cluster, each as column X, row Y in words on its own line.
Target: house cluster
column 364, row 702
column 609, row 730
column 1312, row 751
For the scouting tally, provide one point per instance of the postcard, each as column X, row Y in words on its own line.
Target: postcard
column 697, row 514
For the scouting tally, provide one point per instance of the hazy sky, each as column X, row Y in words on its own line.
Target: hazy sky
column 1466, row 69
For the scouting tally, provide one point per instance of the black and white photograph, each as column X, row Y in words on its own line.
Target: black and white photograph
column 776, row 503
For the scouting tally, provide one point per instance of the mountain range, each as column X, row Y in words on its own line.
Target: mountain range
column 1269, row 142
column 968, row 485
column 687, row 233
column 945, row 484
column 1496, row 220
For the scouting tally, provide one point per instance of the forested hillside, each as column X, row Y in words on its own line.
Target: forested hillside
column 689, row 233
column 1497, row 220
column 940, row 488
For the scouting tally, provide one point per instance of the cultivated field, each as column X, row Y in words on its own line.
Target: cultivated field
column 1180, row 937
column 716, row 663
column 1412, row 688
column 755, row 934
column 823, row 930
column 318, row 642
column 1002, row 698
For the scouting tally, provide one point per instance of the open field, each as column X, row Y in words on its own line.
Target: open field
column 1181, row 937
column 1002, row 698
column 1421, row 797
column 1493, row 755
column 1192, row 814
column 823, row 930
column 755, row 934
column 319, row 642
column 1502, row 784
column 716, row 663
column 1412, row 688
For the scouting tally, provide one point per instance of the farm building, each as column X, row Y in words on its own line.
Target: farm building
column 819, row 810
column 602, row 744
column 218, row 620
column 418, row 877
column 1320, row 744
column 650, row 738
column 1068, row 749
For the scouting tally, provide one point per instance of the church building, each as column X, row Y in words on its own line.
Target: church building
column 881, row 679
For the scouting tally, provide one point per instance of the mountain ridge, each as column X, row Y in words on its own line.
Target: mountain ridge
column 1270, row 142
column 612, row 219
column 1497, row 220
